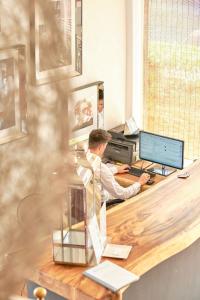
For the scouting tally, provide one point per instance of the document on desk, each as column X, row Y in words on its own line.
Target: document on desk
column 117, row 251
column 111, row 275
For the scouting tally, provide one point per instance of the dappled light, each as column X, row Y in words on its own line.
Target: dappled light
column 34, row 157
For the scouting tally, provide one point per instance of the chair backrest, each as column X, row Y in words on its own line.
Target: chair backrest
column 39, row 292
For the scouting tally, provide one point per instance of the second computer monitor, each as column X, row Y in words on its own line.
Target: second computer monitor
column 163, row 150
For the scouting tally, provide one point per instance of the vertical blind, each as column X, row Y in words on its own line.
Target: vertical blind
column 172, row 71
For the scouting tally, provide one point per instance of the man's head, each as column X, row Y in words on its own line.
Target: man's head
column 98, row 140
column 100, row 105
column 100, row 101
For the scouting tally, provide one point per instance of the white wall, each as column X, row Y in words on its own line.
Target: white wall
column 134, row 85
column 104, row 50
column 104, row 54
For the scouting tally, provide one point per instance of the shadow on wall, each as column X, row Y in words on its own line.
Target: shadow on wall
column 34, row 169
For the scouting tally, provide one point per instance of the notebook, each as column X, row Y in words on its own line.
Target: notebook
column 111, row 275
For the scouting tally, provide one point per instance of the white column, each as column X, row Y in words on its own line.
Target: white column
column 135, row 55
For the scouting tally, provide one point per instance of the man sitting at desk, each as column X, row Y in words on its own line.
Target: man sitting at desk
column 98, row 140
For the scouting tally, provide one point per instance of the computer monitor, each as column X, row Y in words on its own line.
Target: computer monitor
column 162, row 150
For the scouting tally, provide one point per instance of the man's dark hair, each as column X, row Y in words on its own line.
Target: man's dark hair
column 98, row 137
column 101, row 94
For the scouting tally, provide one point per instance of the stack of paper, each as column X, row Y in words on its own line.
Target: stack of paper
column 111, row 275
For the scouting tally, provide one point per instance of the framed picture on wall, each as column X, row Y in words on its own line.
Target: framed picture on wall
column 12, row 93
column 82, row 111
column 0, row 14
column 56, row 39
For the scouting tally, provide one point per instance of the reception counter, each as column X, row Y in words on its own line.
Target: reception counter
column 163, row 226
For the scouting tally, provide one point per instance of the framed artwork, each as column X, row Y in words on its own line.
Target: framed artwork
column 82, row 111
column 12, row 93
column 53, row 56
column 0, row 15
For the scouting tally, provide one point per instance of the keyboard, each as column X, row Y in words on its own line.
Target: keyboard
column 136, row 172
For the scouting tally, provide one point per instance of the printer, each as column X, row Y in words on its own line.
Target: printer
column 119, row 151
column 119, row 133
column 124, row 142
column 128, row 132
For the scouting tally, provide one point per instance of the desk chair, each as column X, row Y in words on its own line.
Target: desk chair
column 111, row 202
column 38, row 292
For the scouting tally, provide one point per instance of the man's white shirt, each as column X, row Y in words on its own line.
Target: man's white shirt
column 110, row 187
column 100, row 120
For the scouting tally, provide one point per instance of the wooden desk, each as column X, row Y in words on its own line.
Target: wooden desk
column 126, row 179
column 159, row 223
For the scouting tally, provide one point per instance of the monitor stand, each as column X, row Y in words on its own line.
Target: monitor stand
column 161, row 170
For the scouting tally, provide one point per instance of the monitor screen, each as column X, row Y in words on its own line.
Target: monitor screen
column 161, row 149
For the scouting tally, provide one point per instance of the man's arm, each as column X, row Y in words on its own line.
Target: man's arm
column 115, row 189
column 118, row 169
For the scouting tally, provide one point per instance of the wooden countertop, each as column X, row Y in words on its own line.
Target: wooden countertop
column 158, row 223
column 126, row 179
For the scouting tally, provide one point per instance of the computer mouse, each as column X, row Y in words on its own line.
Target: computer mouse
column 151, row 174
column 150, row 181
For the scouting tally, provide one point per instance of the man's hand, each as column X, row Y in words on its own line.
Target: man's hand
column 123, row 168
column 144, row 178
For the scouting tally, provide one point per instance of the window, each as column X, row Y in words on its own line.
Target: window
column 172, row 71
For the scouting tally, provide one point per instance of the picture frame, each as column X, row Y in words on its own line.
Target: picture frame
column 82, row 111
column 64, row 50
column 12, row 93
column 0, row 15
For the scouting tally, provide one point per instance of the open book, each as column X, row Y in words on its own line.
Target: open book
column 111, row 275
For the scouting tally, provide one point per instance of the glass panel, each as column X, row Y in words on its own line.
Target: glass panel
column 77, row 205
column 172, row 64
